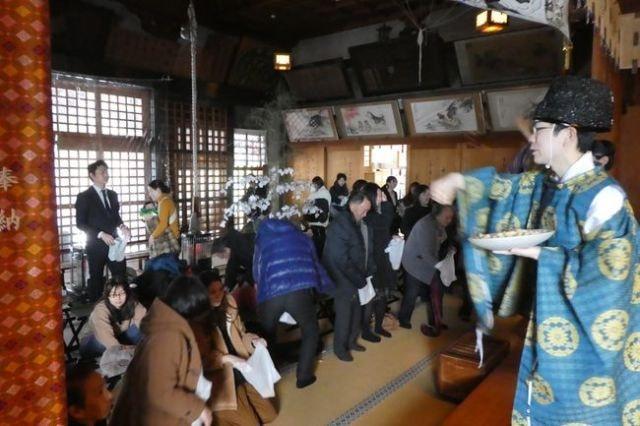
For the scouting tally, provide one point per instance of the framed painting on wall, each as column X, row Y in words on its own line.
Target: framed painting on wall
column 310, row 124
column 519, row 55
column 445, row 114
column 505, row 106
column 378, row 119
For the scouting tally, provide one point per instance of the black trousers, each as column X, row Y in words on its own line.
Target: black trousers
column 301, row 306
column 97, row 257
column 348, row 321
column 319, row 236
column 376, row 307
column 413, row 288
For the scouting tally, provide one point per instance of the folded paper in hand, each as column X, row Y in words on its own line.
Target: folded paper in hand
column 447, row 269
column 395, row 249
column 366, row 293
column 260, row 372
column 286, row 318
column 116, row 251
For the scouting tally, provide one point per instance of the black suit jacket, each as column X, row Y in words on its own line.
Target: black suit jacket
column 92, row 217
column 344, row 254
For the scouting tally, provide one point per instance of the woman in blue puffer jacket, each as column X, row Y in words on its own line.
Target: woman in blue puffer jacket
column 287, row 270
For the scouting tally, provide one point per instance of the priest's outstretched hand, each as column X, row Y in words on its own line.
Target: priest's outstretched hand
column 444, row 190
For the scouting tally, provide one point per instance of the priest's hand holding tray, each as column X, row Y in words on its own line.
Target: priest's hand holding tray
column 519, row 242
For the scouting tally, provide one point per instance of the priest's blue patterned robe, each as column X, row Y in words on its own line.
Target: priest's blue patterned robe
column 582, row 349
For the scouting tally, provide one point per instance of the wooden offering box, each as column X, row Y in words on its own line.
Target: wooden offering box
column 458, row 373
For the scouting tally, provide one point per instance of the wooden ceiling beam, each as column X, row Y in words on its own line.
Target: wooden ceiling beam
column 629, row 6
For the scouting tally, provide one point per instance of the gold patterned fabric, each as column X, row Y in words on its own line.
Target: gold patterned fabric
column 31, row 348
column 581, row 359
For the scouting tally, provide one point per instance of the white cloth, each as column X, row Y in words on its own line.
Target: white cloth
column 286, row 318
column 605, row 204
column 203, row 391
column 260, row 372
column 447, row 268
column 366, row 293
column 395, row 249
column 116, row 251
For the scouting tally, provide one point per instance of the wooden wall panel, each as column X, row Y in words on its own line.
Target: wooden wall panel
column 346, row 159
column 627, row 154
column 429, row 157
column 497, row 151
column 308, row 161
column 430, row 160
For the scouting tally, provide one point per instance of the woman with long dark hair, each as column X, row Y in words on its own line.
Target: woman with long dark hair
column 339, row 193
column 421, row 207
column 379, row 220
column 409, row 199
column 224, row 344
column 164, row 384
column 115, row 320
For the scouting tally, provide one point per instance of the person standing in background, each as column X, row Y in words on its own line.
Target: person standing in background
column 392, row 197
column 98, row 215
column 321, row 199
column 339, row 194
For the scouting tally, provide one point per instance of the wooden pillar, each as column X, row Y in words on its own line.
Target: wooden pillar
column 603, row 69
column 31, row 346
column 626, row 123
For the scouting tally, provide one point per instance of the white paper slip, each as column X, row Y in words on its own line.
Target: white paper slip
column 203, row 391
column 447, row 269
column 395, row 249
column 366, row 293
column 286, row 318
column 261, row 374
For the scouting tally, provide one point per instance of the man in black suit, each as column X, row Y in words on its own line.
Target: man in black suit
column 98, row 215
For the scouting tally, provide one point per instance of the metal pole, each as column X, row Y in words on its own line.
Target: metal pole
column 193, row 38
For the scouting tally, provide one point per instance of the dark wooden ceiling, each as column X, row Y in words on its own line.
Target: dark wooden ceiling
column 282, row 21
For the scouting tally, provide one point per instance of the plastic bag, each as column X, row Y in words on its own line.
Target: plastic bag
column 116, row 251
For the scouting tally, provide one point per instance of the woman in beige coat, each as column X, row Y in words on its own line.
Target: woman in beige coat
column 223, row 342
column 115, row 320
column 160, row 385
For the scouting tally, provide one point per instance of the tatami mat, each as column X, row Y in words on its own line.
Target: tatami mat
column 390, row 383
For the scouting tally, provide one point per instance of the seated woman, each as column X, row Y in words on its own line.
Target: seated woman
column 224, row 343
column 164, row 384
column 115, row 320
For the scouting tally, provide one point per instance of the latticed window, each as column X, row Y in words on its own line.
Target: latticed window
column 121, row 115
column 99, row 120
column 249, row 158
column 212, row 162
